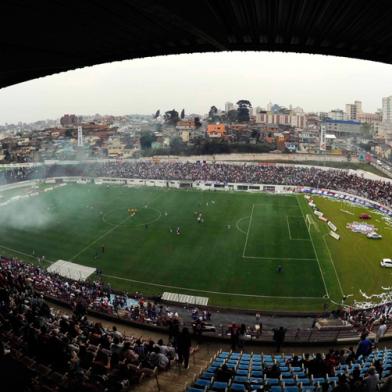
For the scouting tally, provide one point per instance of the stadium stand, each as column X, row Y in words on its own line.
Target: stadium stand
column 334, row 370
column 339, row 180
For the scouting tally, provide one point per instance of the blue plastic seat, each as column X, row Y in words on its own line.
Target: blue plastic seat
column 256, row 373
column 291, row 389
column 193, row 389
column 242, row 366
column 241, row 379
column 202, row 383
column 289, row 381
column 255, row 386
column 272, row 381
column 303, row 380
column 237, row 387
column 319, row 380
column 296, row 369
column 240, row 372
column 286, row 375
column 219, row 386
column 308, row 388
column 207, row 375
column 275, row 388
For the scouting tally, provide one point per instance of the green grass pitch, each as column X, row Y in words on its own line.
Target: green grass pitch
column 231, row 257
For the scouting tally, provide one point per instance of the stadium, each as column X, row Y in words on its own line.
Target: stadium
column 119, row 239
column 192, row 274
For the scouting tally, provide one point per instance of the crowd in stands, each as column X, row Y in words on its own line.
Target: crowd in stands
column 92, row 295
column 40, row 347
column 342, row 370
column 339, row 180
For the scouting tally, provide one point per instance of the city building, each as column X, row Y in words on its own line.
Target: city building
column 387, row 109
column 229, row 106
column 216, row 130
column 341, row 128
column 336, row 114
column 352, row 110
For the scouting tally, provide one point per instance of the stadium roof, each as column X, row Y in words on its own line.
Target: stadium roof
column 43, row 37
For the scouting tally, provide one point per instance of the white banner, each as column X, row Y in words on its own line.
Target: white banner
column 334, row 235
column 332, row 226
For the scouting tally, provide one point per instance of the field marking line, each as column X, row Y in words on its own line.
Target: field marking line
column 247, row 234
column 25, row 254
column 314, row 248
column 276, row 258
column 333, row 264
column 139, row 224
column 206, row 291
column 239, row 228
column 168, row 286
column 99, row 238
column 288, row 226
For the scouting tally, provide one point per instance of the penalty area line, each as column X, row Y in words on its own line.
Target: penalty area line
column 277, row 258
column 207, row 291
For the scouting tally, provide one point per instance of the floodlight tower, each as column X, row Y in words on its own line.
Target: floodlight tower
column 80, row 136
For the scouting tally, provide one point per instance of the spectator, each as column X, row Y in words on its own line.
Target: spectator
column 371, row 380
column 364, row 347
column 279, row 336
column 184, row 346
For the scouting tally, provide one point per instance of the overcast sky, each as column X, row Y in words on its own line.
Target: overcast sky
column 196, row 82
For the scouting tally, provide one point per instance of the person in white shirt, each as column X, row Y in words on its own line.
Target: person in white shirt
column 381, row 331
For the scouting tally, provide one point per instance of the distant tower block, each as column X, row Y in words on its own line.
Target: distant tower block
column 80, row 137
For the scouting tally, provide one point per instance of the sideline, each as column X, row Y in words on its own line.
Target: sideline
column 314, row 248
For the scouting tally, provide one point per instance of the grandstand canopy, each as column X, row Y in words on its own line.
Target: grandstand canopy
column 43, row 37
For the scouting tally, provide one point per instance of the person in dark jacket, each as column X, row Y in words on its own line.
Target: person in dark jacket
column 184, row 347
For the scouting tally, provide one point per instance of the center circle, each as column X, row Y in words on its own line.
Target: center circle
column 142, row 216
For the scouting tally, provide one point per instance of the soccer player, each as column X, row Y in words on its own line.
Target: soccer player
column 279, row 269
column 103, row 248
column 178, row 230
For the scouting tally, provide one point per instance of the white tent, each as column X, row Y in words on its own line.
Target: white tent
column 71, row 270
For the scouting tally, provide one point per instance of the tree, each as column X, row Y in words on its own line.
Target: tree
column 171, row 117
column 157, row 114
column 243, row 110
column 232, row 115
column 213, row 115
column 68, row 133
column 197, row 122
column 366, row 130
column 182, row 115
column 176, row 145
column 146, row 139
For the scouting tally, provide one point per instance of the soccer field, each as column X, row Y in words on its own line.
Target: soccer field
column 231, row 256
